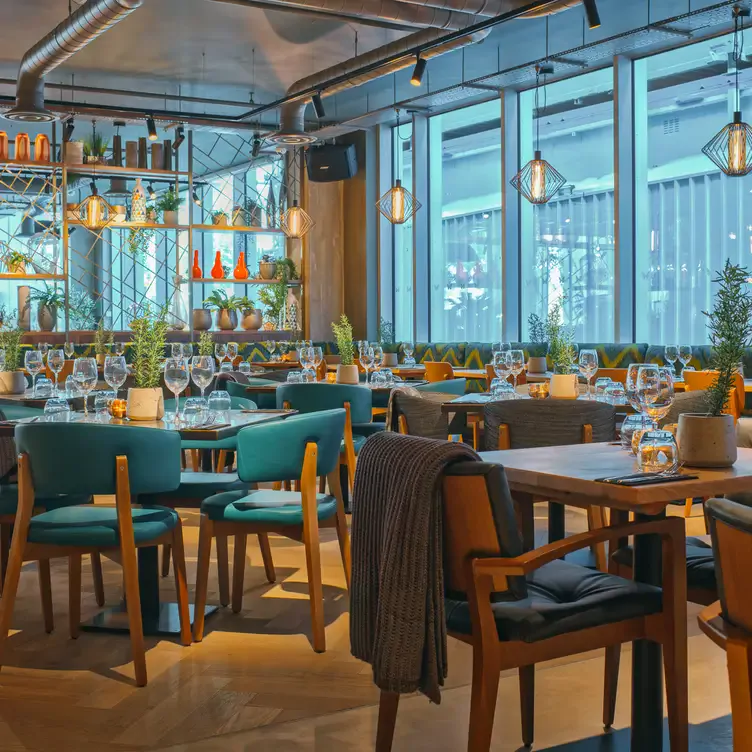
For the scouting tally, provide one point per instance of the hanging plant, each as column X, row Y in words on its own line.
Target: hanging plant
column 138, row 241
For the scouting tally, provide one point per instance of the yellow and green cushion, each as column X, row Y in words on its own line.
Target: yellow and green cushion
column 268, row 507
column 447, row 352
column 617, row 354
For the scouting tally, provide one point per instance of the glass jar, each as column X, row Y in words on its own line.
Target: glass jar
column 632, row 423
column 657, row 452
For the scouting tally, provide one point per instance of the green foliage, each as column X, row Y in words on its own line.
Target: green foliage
column 343, row 336
column 286, row 269
column 138, row 241
column 12, row 258
column 245, row 304
column 50, row 297
column 81, row 308
column 386, row 336
column 219, row 300
column 10, row 341
column 559, row 337
column 103, row 339
column 168, row 201
column 95, row 145
column 147, row 347
column 730, row 332
column 206, row 344
column 537, row 328
column 273, row 297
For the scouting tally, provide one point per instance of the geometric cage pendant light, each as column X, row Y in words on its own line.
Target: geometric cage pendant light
column 94, row 212
column 538, row 181
column 296, row 221
column 731, row 149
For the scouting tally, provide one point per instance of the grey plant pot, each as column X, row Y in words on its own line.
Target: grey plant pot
column 536, row 365
column 202, row 319
column 706, row 441
column 47, row 318
column 227, row 320
column 389, row 360
column 267, row 269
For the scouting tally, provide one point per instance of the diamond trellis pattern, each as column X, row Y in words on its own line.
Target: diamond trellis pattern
column 398, row 205
column 538, row 181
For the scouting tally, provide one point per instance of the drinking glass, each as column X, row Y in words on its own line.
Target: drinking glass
column 85, row 376
column 655, row 388
column 632, row 423
column 225, row 367
column 388, row 376
column 115, row 372
column 378, row 380
column 70, row 349
column 306, row 357
column 293, row 377
column 202, row 371
column 102, row 401
column 502, row 364
column 71, row 388
column 685, row 355
column 318, row 358
column 176, row 350
column 220, row 352
column 120, row 348
column 196, row 409
column 378, row 355
column 187, row 352
column 615, row 394
column 270, row 346
column 518, row 364
column 630, row 385
column 34, row 363
column 671, row 355
column 283, row 348
column 220, row 404
column 244, row 367
column 364, row 358
column 43, row 387
column 56, row 409
column 601, row 384
column 657, row 452
column 43, row 348
column 588, row 366
column 408, row 348
column 232, row 352
column 176, row 380
column 501, row 389
column 55, row 362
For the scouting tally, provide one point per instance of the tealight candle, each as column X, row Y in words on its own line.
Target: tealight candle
column 117, row 408
column 657, row 452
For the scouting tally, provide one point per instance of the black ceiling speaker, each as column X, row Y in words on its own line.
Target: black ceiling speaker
column 331, row 162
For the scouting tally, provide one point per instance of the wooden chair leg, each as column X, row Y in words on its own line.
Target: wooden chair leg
column 166, row 553
column 341, row 524
column 266, row 557
column 221, row 461
column 610, row 685
column 45, row 589
column 96, row 573
column 135, row 625
column 74, row 595
column 739, row 662
column 388, row 706
column 5, row 531
column 238, row 572
column 688, row 507
column 595, row 520
column 527, row 703
column 183, row 464
column 286, row 485
column 194, row 460
column 181, row 583
column 12, row 576
column 205, row 534
column 484, row 690
column 476, row 435
column 322, row 484
column 223, row 569
column 677, row 688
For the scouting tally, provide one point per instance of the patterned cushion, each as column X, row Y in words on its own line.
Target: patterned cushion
column 617, row 354
column 701, row 356
column 449, row 352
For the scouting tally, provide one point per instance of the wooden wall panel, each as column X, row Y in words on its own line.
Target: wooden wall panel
column 354, row 215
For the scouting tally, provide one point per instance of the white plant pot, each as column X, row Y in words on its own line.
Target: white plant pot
column 564, row 386
column 706, row 441
column 347, row 374
column 145, row 404
column 389, row 360
column 170, row 217
column 12, row 382
column 537, row 365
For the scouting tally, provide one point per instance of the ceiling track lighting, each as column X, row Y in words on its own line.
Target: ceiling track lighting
column 151, row 191
column 179, row 137
column 591, row 13
column 420, row 68
column 151, row 126
column 256, row 145
column 70, row 126
column 196, row 199
column 318, row 106
column 731, row 149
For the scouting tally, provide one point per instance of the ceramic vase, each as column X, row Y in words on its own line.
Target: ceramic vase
column 145, row 404
column 251, row 320
column 227, row 320
column 267, row 269
column 389, row 360
column 23, row 148
column 706, row 440
column 202, row 319
column 24, row 308
column 74, row 152
column 347, row 374
column 564, row 386
column 138, row 203
column 241, row 270
column 217, row 271
column 12, row 382
column 41, row 148
column 3, row 146
column 47, row 318
column 196, row 272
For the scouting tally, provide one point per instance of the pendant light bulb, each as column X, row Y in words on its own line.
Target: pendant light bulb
column 398, row 205
column 151, row 126
column 196, row 199
column 70, row 126
column 296, row 221
column 151, row 191
column 420, row 68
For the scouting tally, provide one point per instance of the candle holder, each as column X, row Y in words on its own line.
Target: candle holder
column 117, row 408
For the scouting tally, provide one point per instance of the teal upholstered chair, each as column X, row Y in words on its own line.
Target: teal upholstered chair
column 75, row 458
column 300, row 447
column 265, row 400
column 450, row 386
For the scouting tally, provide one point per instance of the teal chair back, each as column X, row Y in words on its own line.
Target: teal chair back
column 275, row 451
column 79, row 458
column 450, row 386
column 236, row 403
column 311, row 398
column 266, row 401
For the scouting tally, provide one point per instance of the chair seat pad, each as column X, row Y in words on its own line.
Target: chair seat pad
column 368, row 429
column 98, row 526
column 700, row 564
column 202, row 485
column 358, row 442
column 230, row 444
column 9, row 500
column 269, row 507
column 562, row 598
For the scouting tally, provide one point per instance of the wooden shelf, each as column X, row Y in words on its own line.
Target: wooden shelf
column 233, row 281
column 233, row 228
column 22, row 277
column 42, row 166
column 103, row 170
column 136, row 225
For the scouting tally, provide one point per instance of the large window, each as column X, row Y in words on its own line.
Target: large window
column 465, row 217
column 404, row 297
column 568, row 243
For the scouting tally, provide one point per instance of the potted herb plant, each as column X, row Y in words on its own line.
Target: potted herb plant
column 561, row 352
column 95, row 149
column 146, row 399
column 169, row 204
column 536, row 362
column 48, row 301
column 103, row 341
column 250, row 316
column 388, row 345
column 347, row 371
column 15, row 262
column 268, row 267
column 219, row 218
column 226, row 308
column 12, row 377
column 206, row 344
column 709, row 440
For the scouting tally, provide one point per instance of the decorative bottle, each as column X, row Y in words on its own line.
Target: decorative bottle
column 3, row 146
column 196, row 270
column 241, row 270
column 41, row 148
column 138, row 205
column 217, row 271
column 23, row 148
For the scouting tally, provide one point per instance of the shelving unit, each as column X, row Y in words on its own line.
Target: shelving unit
column 233, row 281
column 235, row 228
column 137, row 226
column 24, row 277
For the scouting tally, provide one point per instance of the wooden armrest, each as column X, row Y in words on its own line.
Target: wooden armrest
column 672, row 527
column 722, row 633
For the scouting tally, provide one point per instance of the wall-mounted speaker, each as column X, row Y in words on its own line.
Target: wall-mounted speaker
column 331, row 162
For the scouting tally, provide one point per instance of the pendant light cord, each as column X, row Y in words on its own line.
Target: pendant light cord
column 737, row 60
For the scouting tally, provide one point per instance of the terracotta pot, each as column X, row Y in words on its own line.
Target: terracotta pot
column 536, row 365
column 170, row 217
column 251, row 320
column 3, row 146
column 41, row 148
column 145, row 404
column 202, row 319
column 564, row 386
column 220, row 220
column 19, row 267
column 47, row 318
column 347, row 374
column 267, row 269
column 706, row 441
column 12, row 382
column 389, row 360
column 227, row 320
column 23, row 148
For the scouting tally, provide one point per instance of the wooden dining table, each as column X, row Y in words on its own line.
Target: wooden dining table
column 568, row 475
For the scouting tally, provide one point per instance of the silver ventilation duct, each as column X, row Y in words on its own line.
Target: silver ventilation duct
column 489, row 8
column 67, row 38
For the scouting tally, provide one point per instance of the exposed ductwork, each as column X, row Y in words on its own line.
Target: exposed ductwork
column 489, row 8
column 67, row 38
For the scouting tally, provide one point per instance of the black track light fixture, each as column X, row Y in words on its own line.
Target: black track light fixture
column 151, row 191
column 196, row 199
column 151, row 127
column 93, row 188
column 318, row 106
column 70, row 126
column 591, row 12
column 179, row 137
column 420, row 68
column 255, row 146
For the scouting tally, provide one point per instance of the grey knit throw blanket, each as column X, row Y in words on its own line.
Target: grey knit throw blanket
column 397, row 621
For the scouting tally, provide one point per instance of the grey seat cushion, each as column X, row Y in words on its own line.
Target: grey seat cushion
column 563, row 597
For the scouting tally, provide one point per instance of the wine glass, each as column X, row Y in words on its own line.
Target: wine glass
column 55, row 362
column 176, row 380
column 34, row 364
column 202, row 371
column 306, row 358
column 69, row 349
column 115, row 372
column 408, row 348
column 655, row 388
column 671, row 355
column 685, row 355
column 120, row 348
column 363, row 357
column 85, row 376
column 220, row 352
column 44, row 349
column 187, row 352
column 270, row 346
column 378, row 356
column 588, row 364
column 517, row 360
column 176, row 350
column 232, row 352
column 630, row 384
column 318, row 357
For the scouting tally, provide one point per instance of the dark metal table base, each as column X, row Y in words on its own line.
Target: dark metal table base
column 165, row 622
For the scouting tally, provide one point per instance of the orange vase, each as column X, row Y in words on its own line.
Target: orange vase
column 217, row 271
column 41, row 148
column 196, row 271
column 241, row 270
column 23, row 148
column 3, row 146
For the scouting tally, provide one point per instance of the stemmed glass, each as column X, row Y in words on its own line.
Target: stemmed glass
column 408, row 348
column 220, row 352
column 517, row 361
column 69, row 349
column 588, row 366
column 655, row 390
column 685, row 355
column 202, row 371
column 34, row 364
column 671, row 355
column 85, row 376
column 378, row 356
column 44, row 349
column 176, row 350
column 176, row 380
column 502, row 365
column 270, row 346
column 187, row 352
column 115, row 372
column 366, row 358
column 318, row 357
column 55, row 362
column 232, row 352
column 306, row 358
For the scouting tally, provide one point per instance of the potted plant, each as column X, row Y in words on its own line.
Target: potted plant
column 709, row 440
column 536, row 363
column 12, row 377
column 252, row 214
column 15, row 261
column 561, row 352
column 95, row 149
column 250, row 316
column 169, row 203
column 202, row 319
column 103, row 341
column 219, row 218
column 239, row 216
column 388, row 345
column 206, row 344
column 146, row 399
column 48, row 301
column 226, row 308
column 273, row 297
column 347, row 371
column 268, row 267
